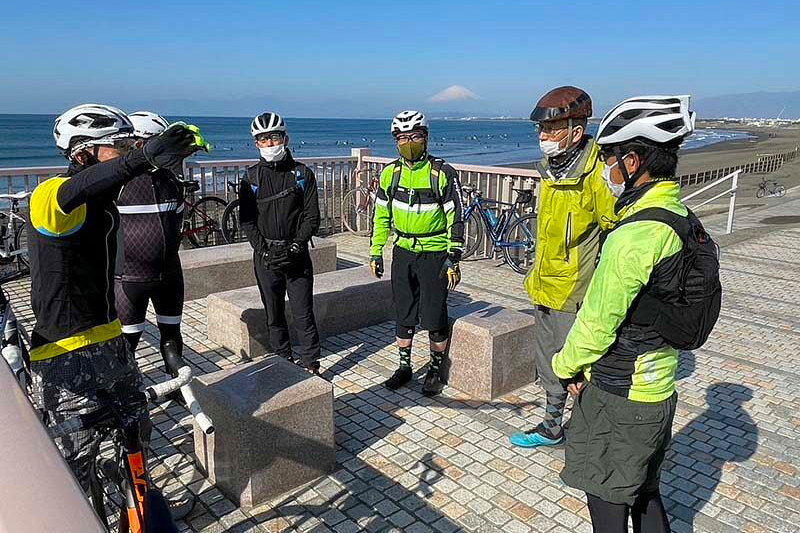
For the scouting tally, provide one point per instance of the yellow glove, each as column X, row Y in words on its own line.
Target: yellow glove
column 376, row 265
column 452, row 272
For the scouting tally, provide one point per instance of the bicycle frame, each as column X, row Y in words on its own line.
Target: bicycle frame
column 10, row 231
column 506, row 218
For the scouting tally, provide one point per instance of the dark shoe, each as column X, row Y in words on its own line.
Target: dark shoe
column 312, row 367
column 400, row 377
column 180, row 507
column 433, row 383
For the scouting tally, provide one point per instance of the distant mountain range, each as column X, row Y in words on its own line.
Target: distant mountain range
column 754, row 105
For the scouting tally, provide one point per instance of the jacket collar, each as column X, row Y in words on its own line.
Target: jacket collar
column 585, row 164
column 651, row 194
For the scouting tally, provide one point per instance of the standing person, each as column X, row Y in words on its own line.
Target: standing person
column 622, row 419
column 279, row 213
column 574, row 207
column 420, row 197
column 148, row 265
column 77, row 350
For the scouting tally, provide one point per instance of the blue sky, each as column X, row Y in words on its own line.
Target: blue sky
column 365, row 59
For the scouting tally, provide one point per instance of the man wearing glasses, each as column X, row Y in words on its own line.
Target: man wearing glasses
column 279, row 212
column 420, row 197
column 574, row 206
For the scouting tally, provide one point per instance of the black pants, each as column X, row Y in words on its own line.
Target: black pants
column 647, row 513
column 296, row 280
column 419, row 289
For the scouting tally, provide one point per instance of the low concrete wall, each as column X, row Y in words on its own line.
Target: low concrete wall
column 274, row 429
column 222, row 268
column 344, row 300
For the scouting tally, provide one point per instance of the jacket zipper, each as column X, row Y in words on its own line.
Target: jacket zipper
column 568, row 237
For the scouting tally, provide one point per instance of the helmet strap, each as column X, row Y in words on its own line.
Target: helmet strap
column 630, row 180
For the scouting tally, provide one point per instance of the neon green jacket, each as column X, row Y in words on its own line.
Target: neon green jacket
column 416, row 210
column 572, row 212
column 610, row 351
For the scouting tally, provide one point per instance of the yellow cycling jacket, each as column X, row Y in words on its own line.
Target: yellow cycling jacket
column 572, row 212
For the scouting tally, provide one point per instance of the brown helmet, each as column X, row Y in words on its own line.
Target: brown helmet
column 562, row 103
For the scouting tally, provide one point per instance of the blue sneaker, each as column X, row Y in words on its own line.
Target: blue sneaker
column 534, row 439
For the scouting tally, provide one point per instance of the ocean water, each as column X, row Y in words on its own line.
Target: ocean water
column 27, row 140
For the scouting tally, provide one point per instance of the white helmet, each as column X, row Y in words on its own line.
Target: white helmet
column 407, row 121
column 90, row 124
column 267, row 123
column 147, row 124
column 660, row 119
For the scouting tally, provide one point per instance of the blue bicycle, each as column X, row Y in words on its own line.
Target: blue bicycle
column 512, row 233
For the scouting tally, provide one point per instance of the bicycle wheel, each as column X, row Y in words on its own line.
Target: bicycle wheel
column 204, row 222
column 760, row 192
column 474, row 233
column 357, row 211
column 231, row 231
column 21, row 243
column 780, row 190
column 520, row 244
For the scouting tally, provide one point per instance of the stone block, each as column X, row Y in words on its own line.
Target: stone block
column 491, row 350
column 274, row 429
column 230, row 266
column 344, row 300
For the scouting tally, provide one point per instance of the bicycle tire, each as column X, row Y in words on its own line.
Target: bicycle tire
column 522, row 232
column 780, row 191
column 474, row 234
column 357, row 219
column 20, row 242
column 231, row 231
column 204, row 222
column 760, row 192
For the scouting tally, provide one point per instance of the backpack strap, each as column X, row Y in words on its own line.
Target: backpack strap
column 397, row 171
column 299, row 185
column 436, row 169
column 680, row 224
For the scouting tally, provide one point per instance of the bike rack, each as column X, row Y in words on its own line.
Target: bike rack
column 734, row 177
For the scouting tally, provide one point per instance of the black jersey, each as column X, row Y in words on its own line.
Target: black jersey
column 151, row 212
column 72, row 247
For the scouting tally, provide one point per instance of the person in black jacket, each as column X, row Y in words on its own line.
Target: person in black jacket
column 148, row 264
column 279, row 212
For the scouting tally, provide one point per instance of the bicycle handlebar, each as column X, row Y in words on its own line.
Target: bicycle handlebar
column 159, row 390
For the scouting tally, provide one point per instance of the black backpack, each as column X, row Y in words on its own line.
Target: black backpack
column 683, row 297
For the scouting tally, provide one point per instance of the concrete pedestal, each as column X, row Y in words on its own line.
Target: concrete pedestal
column 274, row 429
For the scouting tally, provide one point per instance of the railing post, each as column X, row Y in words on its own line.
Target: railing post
column 732, row 205
column 359, row 154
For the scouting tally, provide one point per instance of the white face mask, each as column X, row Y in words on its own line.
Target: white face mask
column 551, row 148
column 616, row 189
column 272, row 153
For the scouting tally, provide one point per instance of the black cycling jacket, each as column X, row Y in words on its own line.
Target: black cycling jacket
column 295, row 217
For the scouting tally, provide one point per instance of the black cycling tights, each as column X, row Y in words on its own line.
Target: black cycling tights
column 168, row 332
column 647, row 514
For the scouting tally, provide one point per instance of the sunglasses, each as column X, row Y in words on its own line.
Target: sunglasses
column 274, row 137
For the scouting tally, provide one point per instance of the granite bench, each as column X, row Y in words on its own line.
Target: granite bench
column 491, row 350
column 344, row 300
column 274, row 429
column 230, row 266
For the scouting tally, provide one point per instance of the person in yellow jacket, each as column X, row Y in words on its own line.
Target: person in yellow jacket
column 574, row 207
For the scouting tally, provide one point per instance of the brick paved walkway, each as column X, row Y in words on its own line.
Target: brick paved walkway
column 409, row 463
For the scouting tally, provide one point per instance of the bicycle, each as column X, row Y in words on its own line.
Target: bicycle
column 125, row 473
column 13, row 348
column 358, row 205
column 775, row 190
column 512, row 233
column 231, row 231
column 202, row 225
column 13, row 236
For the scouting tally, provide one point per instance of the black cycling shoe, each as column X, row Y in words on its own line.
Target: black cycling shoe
column 433, row 383
column 400, row 377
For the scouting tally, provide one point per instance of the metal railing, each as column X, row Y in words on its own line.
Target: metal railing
column 734, row 177
column 765, row 163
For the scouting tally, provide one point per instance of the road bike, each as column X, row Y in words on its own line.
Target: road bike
column 772, row 188
column 14, row 236
column 231, row 230
column 358, row 205
column 202, row 225
column 512, row 233
column 119, row 481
